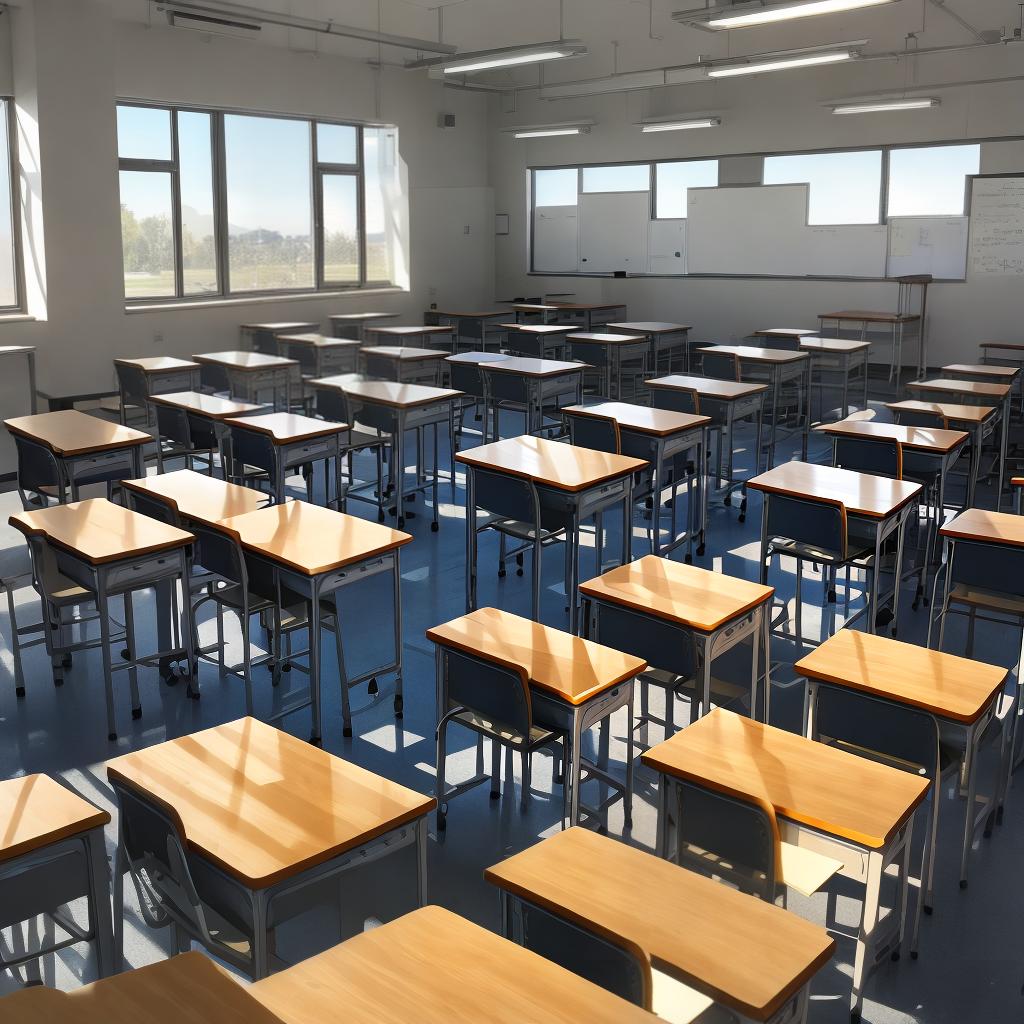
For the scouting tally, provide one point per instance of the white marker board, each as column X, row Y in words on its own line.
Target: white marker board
column 928, row 245
column 846, row 250
column 555, row 239
column 666, row 247
column 613, row 232
column 997, row 226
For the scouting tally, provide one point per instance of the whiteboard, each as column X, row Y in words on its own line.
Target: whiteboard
column 666, row 247
column 997, row 227
column 613, row 232
column 847, row 250
column 747, row 229
column 555, row 244
column 928, row 245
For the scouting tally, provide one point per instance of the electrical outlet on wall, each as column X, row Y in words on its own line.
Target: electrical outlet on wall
column 465, row 230
column 158, row 338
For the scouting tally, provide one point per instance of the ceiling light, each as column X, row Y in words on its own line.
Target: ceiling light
column 769, row 62
column 546, row 133
column 750, row 15
column 505, row 57
column 678, row 126
column 880, row 106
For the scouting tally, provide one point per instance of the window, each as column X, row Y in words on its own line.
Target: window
column 222, row 203
column 556, row 188
column 671, row 181
column 9, row 247
column 621, row 178
column 930, row 181
column 846, row 188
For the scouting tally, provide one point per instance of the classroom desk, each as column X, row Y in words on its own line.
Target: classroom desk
column 433, row 967
column 110, row 551
column 593, row 314
column 279, row 441
column 402, row 364
column 676, row 602
column 45, row 826
column 320, row 355
column 138, row 380
column 477, row 322
column 353, row 325
column 395, row 409
column 249, row 373
column 530, row 382
column 575, row 684
column 666, row 340
column 898, row 324
column 973, row 392
column 610, row 351
column 536, row 341
column 960, row 694
column 776, row 367
column 738, row 951
column 315, row 552
column 29, row 352
column 410, row 336
column 840, row 356
column 983, row 372
column 845, row 806
column 786, row 337
column 881, row 503
column 997, row 353
column 727, row 403
column 86, row 448
column 541, row 312
column 263, row 337
column 273, row 814
column 575, row 482
column 662, row 438
column 196, row 496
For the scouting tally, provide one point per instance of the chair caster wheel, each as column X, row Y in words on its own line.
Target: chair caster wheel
column 963, row 883
column 501, row 574
column 346, row 731
column 111, row 736
column 66, row 661
column 855, row 1017
column 286, row 667
column 136, row 714
column 519, row 572
column 742, row 517
column 831, row 597
column 894, row 956
column 126, row 655
column 434, row 527
column 317, row 741
column 913, row 954
column 727, row 501
column 700, row 551
column 928, row 909
column 19, row 692
column 372, row 688
column 380, row 517
column 627, row 822
column 743, row 506
column 688, row 559
column 58, row 679
column 495, row 796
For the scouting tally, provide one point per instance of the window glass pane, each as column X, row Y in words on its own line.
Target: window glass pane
column 147, row 238
column 341, row 228
column 672, row 180
column 8, row 276
column 144, row 133
column 555, row 188
column 195, row 175
column 270, row 208
column 930, row 181
column 845, row 187
column 627, row 178
column 336, row 143
column 382, row 186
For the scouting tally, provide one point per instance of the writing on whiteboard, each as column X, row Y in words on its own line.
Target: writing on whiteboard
column 997, row 227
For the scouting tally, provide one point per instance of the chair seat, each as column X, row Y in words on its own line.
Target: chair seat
column 673, row 1001
column 721, row 689
column 66, row 591
column 360, row 439
column 856, row 550
column 478, row 723
column 990, row 600
column 520, row 530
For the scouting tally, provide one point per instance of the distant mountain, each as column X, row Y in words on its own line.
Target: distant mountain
column 199, row 225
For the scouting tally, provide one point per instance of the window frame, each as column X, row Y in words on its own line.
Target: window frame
column 17, row 251
column 220, row 204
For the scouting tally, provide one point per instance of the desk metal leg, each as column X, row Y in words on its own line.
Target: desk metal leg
column 471, row 541
column 421, row 862
column 1003, row 449
column 120, row 870
column 108, row 681
column 314, row 662
column 627, row 527
column 868, row 922
column 99, row 909
column 33, row 401
column 775, row 418
column 573, row 541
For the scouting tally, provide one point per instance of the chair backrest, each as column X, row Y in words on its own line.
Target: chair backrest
column 507, row 496
column 881, row 456
column 471, row 332
column 431, row 318
column 905, row 736
column 994, row 567
column 599, row 433
column 504, row 387
column 589, row 353
column 499, row 692
column 154, row 506
column 820, row 524
column 37, row 468
column 332, row 404
column 213, row 377
column 661, row 644
column 132, row 384
column 676, row 399
column 252, row 448
column 734, row 839
column 466, row 377
column 919, row 418
column 525, row 343
column 720, row 366
column 219, row 553
column 304, row 354
column 173, row 425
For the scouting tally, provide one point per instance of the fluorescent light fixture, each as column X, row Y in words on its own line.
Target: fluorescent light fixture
column 680, row 125
column 750, row 15
column 758, row 65
column 544, row 131
column 212, row 25
column 881, row 106
column 505, row 57
column 487, row 64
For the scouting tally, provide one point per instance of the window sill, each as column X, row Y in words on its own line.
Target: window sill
column 17, row 318
column 258, row 300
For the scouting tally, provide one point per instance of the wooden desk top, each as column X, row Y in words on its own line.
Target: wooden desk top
column 642, row 419
column 924, row 439
column 785, row 332
column 834, row 346
column 489, row 314
column 983, row 525
column 433, row 967
column 754, row 354
column 186, row 989
column 869, row 316
column 208, row 406
column 36, row 811
column 318, row 340
column 941, row 684
column 245, row 361
column 1010, row 346
column 361, row 317
column 542, row 329
column 983, row 370
column 651, row 327
column 534, row 307
column 971, row 414
column 583, row 307
column 708, row 387
column 263, row 805
column 564, row 665
column 979, row 388
column 861, row 493
column 736, row 949
column 599, row 338
column 403, row 353
column 388, row 392
column 278, row 326
column 193, row 495
column 535, row 367
column 476, row 357
column 99, row 531
column 69, row 432
column 158, row 364
column 688, row 595
column 412, row 329
column 809, row 783
column 287, row 427
column 564, row 467
column 311, row 539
